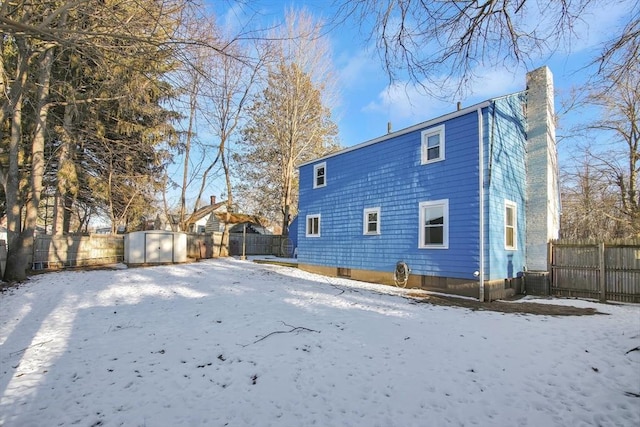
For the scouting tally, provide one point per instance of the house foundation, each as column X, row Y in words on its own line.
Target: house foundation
column 493, row 290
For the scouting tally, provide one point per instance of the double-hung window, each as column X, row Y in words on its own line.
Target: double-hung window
column 510, row 225
column 320, row 175
column 432, row 147
column 313, row 226
column 371, row 221
column 434, row 224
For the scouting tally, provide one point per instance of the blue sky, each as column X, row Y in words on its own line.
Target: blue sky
column 367, row 101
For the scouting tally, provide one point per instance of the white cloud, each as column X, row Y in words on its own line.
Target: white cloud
column 492, row 82
column 233, row 18
column 354, row 69
column 406, row 102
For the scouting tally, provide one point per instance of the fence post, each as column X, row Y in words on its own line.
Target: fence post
column 550, row 266
column 601, row 273
column 244, row 241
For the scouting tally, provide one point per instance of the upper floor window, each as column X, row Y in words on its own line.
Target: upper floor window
column 432, row 148
column 320, row 175
column 510, row 223
column 313, row 226
column 371, row 221
column 434, row 224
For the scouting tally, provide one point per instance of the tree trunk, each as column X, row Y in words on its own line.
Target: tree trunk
column 16, row 261
column 288, row 183
column 227, row 177
column 67, row 212
column 285, row 221
column 37, row 155
column 62, row 191
column 193, row 105
column 286, row 205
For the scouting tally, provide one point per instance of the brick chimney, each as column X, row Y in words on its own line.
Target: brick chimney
column 213, row 200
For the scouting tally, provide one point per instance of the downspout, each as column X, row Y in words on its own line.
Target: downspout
column 481, row 196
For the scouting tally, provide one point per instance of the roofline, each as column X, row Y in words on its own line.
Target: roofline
column 413, row 128
column 204, row 211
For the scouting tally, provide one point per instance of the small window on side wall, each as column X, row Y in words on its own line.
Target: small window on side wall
column 432, row 148
column 313, row 226
column 510, row 225
column 320, row 175
column 371, row 221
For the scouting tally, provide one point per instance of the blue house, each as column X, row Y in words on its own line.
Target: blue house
column 467, row 200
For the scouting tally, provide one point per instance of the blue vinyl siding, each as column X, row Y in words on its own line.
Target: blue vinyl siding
column 505, row 151
column 388, row 174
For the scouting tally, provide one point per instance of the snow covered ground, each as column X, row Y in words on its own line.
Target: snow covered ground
column 233, row 343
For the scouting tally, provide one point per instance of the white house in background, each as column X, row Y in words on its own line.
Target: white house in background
column 205, row 220
column 212, row 219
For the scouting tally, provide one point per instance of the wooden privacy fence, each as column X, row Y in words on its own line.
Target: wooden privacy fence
column 77, row 250
column 202, row 246
column 236, row 244
column 260, row 244
column 51, row 252
column 607, row 271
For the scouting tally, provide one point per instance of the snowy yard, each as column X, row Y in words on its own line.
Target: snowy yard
column 233, row 343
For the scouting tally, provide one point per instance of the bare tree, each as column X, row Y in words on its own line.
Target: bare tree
column 620, row 56
column 619, row 156
column 289, row 121
column 589, row 202
column 216, row 88
column 226, row 92
column 436, row 40
column 605, row 175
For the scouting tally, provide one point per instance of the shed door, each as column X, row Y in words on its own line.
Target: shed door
column 158, row 248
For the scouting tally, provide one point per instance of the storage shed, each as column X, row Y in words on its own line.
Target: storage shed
column 155, row 247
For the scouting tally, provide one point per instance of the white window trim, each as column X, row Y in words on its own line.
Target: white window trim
column 315, row 175
column 365, row 221
column 424, row 148
column 307, row 231
column 509, row 204
column 445, row 231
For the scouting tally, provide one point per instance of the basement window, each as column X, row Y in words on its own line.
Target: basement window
column 344, row 272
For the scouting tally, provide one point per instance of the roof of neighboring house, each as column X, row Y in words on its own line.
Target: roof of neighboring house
column 239, row 218
column 251, row 227
column 204, row 211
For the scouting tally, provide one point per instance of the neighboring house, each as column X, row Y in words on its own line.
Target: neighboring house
column 207, row 219
column 466, row 200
